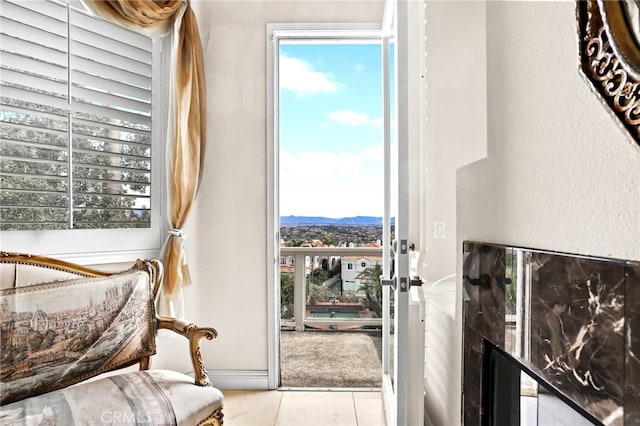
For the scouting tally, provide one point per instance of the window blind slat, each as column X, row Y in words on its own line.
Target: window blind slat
column 7, row 145
column 141, row 159
column 33, row 25
column 135, row 150
column 111, row 86
column 27, row 65
column 18, row 182
column 109, row 100
column 30, row 49
column 100, row 69
column 85, row 21
column 108, row 57
column 38, row 133
column 34, row 82
column 34, row 8
column 115, row 114
column 13, row 110
column 33, row 34
column 139, row 129
column 30, row 96
column 121, row 46
column 26, row 167
column 144, row 192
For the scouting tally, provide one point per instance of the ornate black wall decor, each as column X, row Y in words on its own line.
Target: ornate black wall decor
column 609, row 49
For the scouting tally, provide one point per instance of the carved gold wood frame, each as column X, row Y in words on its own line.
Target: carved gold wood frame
column 609, row 44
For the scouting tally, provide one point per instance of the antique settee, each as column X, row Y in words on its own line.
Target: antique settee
column 68, row 332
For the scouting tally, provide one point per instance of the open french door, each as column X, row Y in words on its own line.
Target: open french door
column 394, row 40
column 402, row 394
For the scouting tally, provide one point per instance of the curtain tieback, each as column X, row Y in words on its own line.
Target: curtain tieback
column 178, row 233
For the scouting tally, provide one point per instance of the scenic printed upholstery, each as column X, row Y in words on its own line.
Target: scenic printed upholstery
column 153, row 397
column 62, row 324
column 58, row 333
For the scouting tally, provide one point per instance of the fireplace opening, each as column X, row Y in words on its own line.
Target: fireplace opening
column 514, row 395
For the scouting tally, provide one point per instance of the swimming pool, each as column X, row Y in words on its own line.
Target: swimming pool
column 335, row 315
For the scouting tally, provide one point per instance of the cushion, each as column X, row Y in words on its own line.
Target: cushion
column 154, row 397
column 59, row 333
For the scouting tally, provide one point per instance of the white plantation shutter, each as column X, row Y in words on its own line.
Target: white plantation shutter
column 75, row 120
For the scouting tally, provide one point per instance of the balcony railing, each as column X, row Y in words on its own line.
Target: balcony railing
column 300, row 277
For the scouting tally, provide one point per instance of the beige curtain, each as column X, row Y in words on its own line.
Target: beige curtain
column 186, row 123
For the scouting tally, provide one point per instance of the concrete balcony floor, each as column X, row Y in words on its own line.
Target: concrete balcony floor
column 331, row 359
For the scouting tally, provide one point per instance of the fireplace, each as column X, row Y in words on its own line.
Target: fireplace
column 568, row 324
column 514, row 395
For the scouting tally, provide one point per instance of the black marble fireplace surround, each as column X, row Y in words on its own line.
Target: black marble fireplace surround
column 571, row 321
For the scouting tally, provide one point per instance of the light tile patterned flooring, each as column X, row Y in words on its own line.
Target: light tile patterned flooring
column 302, row 408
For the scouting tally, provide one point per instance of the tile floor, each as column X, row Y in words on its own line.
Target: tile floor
column 302, row 408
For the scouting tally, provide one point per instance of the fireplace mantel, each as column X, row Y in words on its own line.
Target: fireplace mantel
column 572, row 320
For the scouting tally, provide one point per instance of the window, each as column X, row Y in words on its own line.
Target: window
column 363, row 264
column 76, row 134
column 349, row 266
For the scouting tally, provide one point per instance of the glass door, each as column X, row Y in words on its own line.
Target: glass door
column 390, row 211
column 396, row 349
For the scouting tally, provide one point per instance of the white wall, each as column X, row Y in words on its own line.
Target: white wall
column 456, row 130
column 226, row 232
column 456, row 124
column 560, row 174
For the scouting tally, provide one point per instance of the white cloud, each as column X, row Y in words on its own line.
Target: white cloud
column 300, row 77
column 332, row 184
column 376, row 122
column 374, row 153
column 319, row 164
column 350, row 117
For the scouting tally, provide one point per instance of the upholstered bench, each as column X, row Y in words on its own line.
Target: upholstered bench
column 62, row 325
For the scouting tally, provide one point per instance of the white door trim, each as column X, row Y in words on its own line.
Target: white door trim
column 275, row 33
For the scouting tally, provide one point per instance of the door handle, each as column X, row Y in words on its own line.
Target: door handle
column 405, row 284
column 391, row 282
column 415, row 282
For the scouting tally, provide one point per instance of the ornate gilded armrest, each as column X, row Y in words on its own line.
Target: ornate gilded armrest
column 194, row 334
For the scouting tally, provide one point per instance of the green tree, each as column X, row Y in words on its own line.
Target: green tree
column 372, row 287
column 296, row 242
column 318, row 276
column 329, row 239
column 319, row 293
column 286, row 295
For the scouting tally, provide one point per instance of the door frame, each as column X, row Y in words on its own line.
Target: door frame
column 275, row 33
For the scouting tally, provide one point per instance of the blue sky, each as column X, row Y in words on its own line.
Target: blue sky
column 331, row 156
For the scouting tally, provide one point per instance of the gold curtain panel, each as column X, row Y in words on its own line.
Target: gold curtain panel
column 187, row 123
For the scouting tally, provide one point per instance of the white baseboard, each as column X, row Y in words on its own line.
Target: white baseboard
column 240, row 379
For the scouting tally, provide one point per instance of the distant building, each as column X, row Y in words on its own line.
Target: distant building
column 288, row 263
column 352, row 266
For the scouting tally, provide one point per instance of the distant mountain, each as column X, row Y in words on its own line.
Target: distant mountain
column 345, row 221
